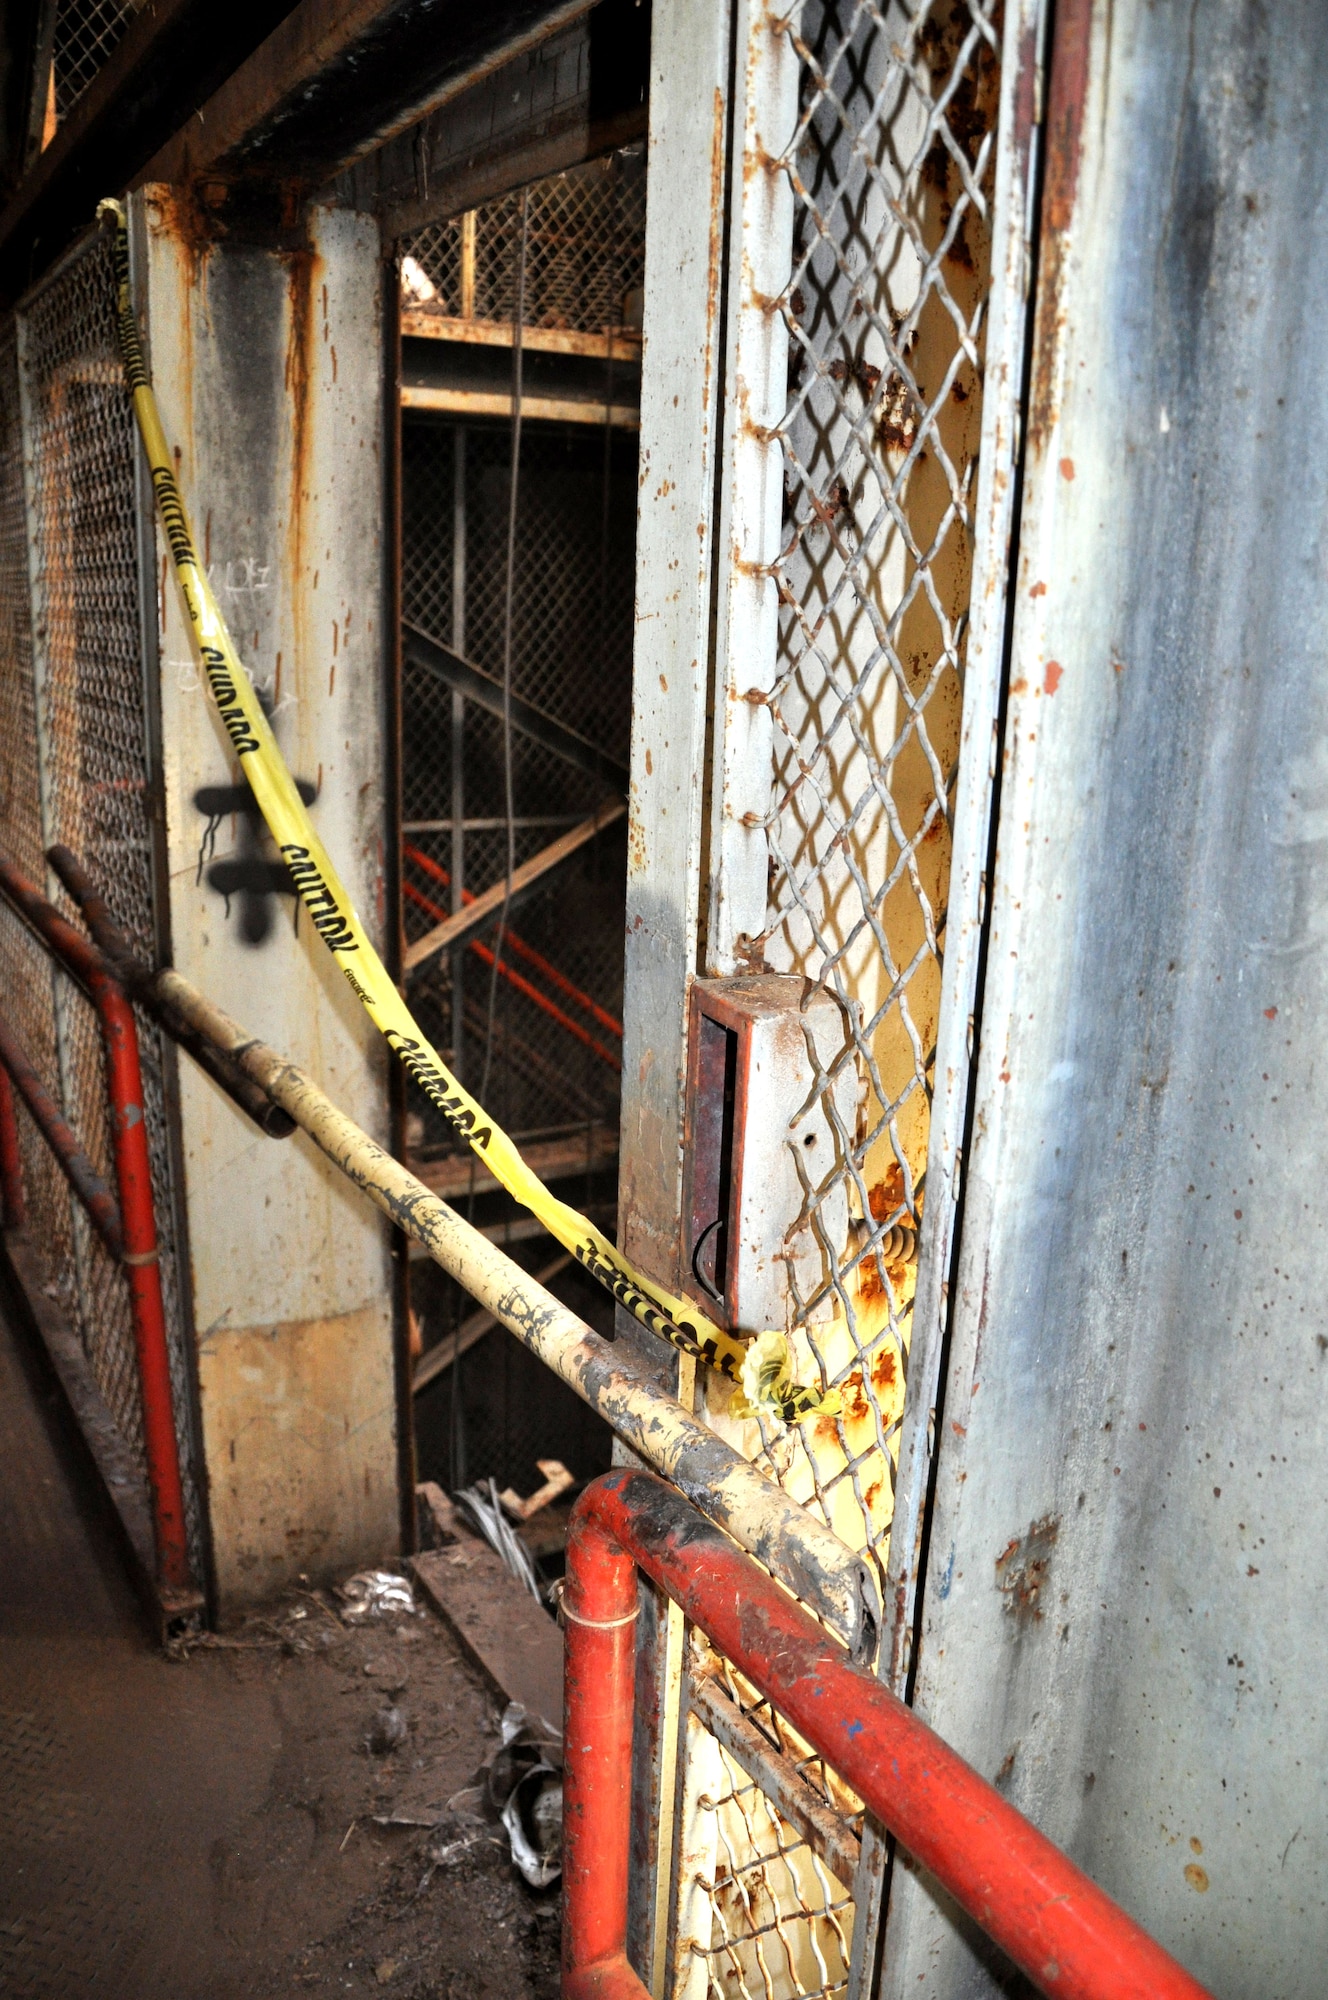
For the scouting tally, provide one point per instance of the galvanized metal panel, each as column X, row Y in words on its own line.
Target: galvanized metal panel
column 1124, row 1594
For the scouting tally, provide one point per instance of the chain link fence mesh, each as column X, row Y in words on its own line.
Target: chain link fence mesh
column 86, row 782
column 891, row 167
column 585, row 259
column 25, row 970
column 571, row 658
column 761, row 1914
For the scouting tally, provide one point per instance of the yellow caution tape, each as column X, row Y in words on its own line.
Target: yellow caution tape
column 761, row 1368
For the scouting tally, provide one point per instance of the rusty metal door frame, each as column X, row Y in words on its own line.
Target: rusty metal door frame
column 714, row 391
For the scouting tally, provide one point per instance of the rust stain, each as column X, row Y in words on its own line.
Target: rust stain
column 885, row 1371
column 871, row 1286
column 303, row 272
column 1197, row 1877
column 1038, row 590
column 886, row 1197
column 1055, row 675
column 1025, row 98
column 1022, row 1567
column 1067, row 95
column 716, row 245
column 1067, row 468
column 188, row 215
column 856, row 1406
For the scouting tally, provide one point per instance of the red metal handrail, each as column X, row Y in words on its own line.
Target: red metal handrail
column 133, row 1174
column 1070, row 1939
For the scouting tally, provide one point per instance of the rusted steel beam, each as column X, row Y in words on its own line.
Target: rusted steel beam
column 174, row 55
column 1064, row 1933
column 469, row 919
column 514, row 979
column 336, row 80
column 789, row 1541
column 96, row 1197
column 522, row 949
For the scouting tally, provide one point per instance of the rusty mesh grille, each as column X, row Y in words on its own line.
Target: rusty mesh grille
column 891, row 165
column 761, row 1913
column 585, row 257
column 87, row 32
column 27, row 995
column 92, row 734
column 888, row 157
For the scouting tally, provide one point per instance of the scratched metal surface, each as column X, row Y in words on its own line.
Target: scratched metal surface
column 1124, row 1599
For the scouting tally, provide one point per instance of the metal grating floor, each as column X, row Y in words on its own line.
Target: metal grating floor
column 71, row 1912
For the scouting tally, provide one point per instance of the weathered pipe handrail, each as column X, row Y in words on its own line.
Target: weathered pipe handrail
column 138, row 1227
column 1070, row 1939
column 142, row 983
column 99, row 1203
column 801, row 1550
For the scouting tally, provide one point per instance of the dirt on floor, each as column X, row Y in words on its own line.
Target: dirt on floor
column 234, row 1821
column 351, row 1869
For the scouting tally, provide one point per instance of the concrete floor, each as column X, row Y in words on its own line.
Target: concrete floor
column 205, row 1828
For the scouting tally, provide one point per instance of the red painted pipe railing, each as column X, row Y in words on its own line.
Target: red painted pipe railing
column 11, row 1160
column 138, row 1227
column 1069, row 1938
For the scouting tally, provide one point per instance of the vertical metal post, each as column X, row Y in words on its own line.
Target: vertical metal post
column 459, row 725
column 133, row 1171
column 752, row 481
column 690, row 57
column 468, row 264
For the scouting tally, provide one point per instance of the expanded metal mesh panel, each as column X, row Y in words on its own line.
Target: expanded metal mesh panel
column 891, row 166
column 585, row 256
column 27, row 996
column 760, row 1914
column 573, row 589
column 91, row 718
column 888, row 163
column 87, row 32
